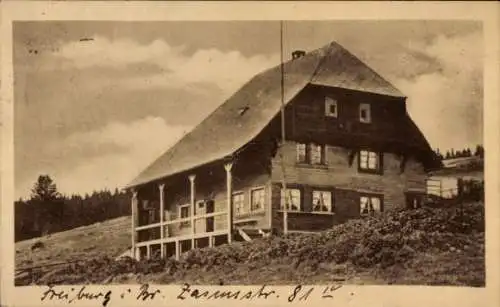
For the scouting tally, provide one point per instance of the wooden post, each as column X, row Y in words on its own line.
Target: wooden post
column 285, row 209
column 270, row 204
column 148, row 251
column 134, row 210
column 229, row 186
column 441, row 188
column 161, row 187
column 177, row 250
column 193, row 191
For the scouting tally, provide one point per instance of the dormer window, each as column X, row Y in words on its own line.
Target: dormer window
column 243, row 110
column 331, row 107
column 365, row 113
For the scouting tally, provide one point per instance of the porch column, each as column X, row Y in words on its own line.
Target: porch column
column 161, row 187
column 134, row 210
column 229, row 187
column 193, row 191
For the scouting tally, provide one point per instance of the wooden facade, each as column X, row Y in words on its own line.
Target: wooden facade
column 349, row 149
column 254, row 176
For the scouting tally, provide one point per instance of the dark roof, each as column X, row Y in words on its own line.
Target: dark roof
column 227, row 129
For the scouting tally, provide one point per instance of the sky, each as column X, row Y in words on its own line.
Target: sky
column 93, row 113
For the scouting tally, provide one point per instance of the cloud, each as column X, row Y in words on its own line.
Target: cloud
column 446, row 101
column 84, row 85
column 95, row 167
column 228, row 70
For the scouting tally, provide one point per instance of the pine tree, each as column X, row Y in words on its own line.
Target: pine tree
column 49, row 205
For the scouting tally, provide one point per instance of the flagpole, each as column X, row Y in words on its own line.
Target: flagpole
column 284, row 187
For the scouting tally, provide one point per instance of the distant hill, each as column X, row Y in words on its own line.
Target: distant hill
column 465, row 167
column 463, row 162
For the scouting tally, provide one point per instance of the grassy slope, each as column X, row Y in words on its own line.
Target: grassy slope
column 109, row 238
column 426, row 246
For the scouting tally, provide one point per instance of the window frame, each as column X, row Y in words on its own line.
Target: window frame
column 332, row 201
column 297, row 158
column 329, row 102
column 185, row 223
column 254, row 189
column 321, row 152
column 379, row 168
column 365, row 107
column 300, row 198
column 307, row 157
column 242, row 194
column 370, row 196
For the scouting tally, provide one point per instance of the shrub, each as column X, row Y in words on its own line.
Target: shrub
column 379, row 241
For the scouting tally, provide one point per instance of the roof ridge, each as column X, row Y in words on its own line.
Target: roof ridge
column 321, row 61
column 364, row 64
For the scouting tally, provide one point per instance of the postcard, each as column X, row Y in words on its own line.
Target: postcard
column 264, row 153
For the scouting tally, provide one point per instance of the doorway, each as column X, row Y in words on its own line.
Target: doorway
column 414, row 200
column 209, row 208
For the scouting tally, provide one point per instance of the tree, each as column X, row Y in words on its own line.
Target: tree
column 49, row 203
column 44, row 189
column 479, row 151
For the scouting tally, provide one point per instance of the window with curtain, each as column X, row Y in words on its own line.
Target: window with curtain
column 322, row 201
column 257, row 198
column 370, row 204
column 292, row 199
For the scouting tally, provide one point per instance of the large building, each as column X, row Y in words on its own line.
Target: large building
column 350, row 148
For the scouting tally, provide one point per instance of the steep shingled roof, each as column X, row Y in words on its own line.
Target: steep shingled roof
column 227, row 129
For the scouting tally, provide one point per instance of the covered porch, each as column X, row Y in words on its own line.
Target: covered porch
column 167, row 224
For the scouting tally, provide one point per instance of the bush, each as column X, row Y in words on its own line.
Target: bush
column 380, row 241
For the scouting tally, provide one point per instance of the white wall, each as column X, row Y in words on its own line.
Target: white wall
column 449, row 186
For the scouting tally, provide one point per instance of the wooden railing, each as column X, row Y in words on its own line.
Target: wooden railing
column 182, row 220
column 190, row 234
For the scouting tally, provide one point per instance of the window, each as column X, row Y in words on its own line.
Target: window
column 301, row 153
column 322, row 201
column 257, row 198
column 370, row 161
column 315, row 154
column 310, row 153
column 364, row 113
column 370, row 204
column 152, row 216
column 293, row 200
column 331, row 108
column 146, row 204
column 185, row 212
column 239, row 203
